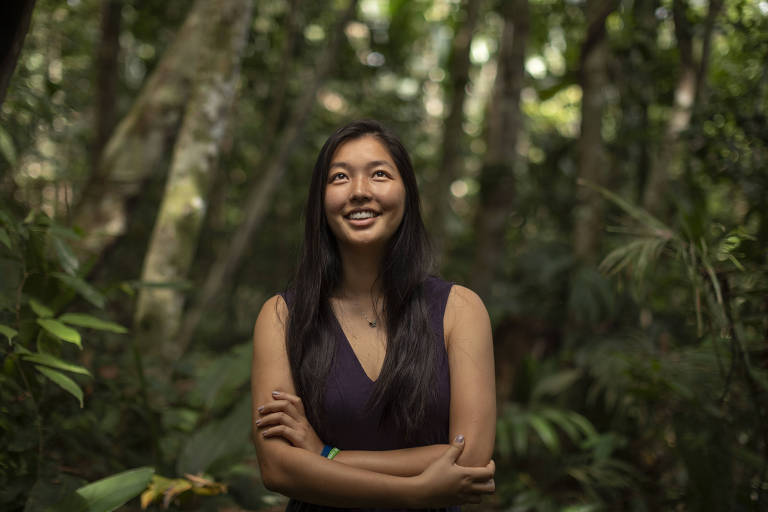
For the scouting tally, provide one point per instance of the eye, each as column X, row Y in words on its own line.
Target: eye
column 380, row 174
column 337, row 176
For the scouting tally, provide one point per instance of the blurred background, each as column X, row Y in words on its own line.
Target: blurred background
column 594, row 169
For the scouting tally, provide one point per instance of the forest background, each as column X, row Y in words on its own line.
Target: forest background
column 594, row 169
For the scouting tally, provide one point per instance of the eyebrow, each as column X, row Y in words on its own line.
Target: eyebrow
column 374, row 163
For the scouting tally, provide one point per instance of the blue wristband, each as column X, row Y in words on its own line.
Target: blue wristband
column 326, row 450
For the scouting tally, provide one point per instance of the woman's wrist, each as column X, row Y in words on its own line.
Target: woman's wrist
column 329, row 452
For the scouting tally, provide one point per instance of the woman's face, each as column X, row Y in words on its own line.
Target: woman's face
column 364, row 194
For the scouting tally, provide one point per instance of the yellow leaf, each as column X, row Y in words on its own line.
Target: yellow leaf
column 178, row 487
column 148, row 497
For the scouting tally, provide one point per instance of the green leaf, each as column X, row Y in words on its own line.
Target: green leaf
column 5, row 238
column 107, row 494
column 92, row 322
column 64, row 232
column 218, row 383
column 7, row 148
column 520, row 437
column 66, row 257
column 84, row 289
column 60, row 330
column 62, row 380
column 642, row 216
column 503, row 438
column 127, row 289
column 50, row 489
column 561, row 420
column 546, row 433
column 8, row 332
column 555, row 384
column 583, row 423
column 40, row 310
column 217, row 441
column 54, row 362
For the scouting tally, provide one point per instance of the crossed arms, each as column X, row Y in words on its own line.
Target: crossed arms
column 422, row 477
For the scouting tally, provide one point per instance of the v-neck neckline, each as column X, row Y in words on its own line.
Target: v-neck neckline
column 352, row 351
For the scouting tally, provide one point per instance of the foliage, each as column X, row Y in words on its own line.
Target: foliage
column 637, row 384
column 169, row 490
column 706, row 373
column 41, row 279
column 561, row 460
column 107, row 494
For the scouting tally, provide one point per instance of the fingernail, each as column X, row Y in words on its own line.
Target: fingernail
column 258, row 422
column 275, row 393
column 459, row 439
column 260, row 408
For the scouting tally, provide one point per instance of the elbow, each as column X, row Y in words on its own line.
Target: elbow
column 271, row 469
column 476, row 454
column 272, row 476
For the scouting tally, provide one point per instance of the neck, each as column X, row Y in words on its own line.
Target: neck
column 360, row 271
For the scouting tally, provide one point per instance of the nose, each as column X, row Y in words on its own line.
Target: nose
column 360, row 189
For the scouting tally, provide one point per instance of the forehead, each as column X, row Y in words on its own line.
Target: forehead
column 361, row 151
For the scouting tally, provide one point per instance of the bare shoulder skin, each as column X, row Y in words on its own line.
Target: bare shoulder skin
column 473, row 392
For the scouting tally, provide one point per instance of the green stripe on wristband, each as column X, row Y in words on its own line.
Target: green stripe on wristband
column 334, row 452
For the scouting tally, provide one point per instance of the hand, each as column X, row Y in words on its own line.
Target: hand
column 285, row 417
column 445, row 483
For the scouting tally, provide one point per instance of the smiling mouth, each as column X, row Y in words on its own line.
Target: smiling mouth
column 361, row 215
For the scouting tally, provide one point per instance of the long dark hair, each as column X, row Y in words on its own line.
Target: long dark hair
column 405, row 389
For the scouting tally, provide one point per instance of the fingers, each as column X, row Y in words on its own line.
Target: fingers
column 481, row 474
column 285, row 402
column 292, row 399
column 276, row 418
column 283, row 431
column 454, row 451
column 486, row 487
column 279, row 406
column 476, row 490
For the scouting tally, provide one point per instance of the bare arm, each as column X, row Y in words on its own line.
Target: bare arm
column 285, row 417
column 473, row 388
column 308, row 476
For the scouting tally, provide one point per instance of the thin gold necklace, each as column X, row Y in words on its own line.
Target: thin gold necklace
column 371, row 323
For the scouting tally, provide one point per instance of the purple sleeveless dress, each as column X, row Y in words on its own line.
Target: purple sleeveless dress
column 352, row 426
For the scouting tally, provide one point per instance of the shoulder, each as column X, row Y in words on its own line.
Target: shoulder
column 272, row 319
column 465, row 313
column 462, row 300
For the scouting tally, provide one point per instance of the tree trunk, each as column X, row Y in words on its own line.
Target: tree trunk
column 15, row 17
column 593, row 160
column 227, row 263
column 275, row 112
column 451, row 158
column 106, row 76
column 138, row 145
column 505, row 122
column 669, row 154
column 174, row 239
column 715, row 6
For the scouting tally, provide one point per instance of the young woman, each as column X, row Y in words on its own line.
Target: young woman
column 372, row 382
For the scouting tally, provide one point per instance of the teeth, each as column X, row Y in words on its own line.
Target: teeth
column 361, row 215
